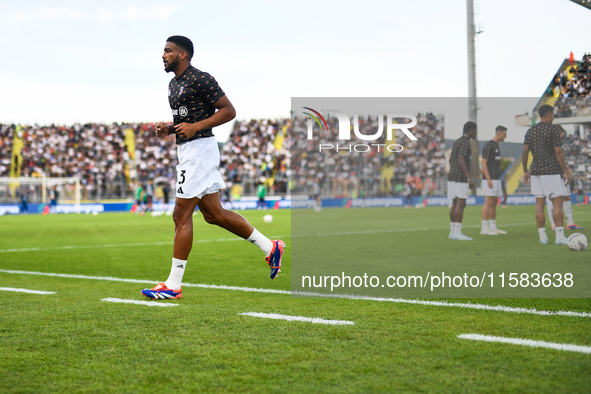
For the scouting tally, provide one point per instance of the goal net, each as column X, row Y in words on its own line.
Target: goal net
column 40, row 190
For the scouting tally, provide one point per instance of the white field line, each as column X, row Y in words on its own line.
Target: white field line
column 136, row 302
column 14, row 290
column 498, row 308
column 528, row 342
column 314, row 320
column 112, row 245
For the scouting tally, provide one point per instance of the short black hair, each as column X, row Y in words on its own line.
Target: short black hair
column 469, row 126
column 545, row 110
column 183, row 42
column 500, row 128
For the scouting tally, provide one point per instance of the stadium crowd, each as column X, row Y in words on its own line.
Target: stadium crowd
column 96, row 153
column 574, row 80
column 371, row 173
column 251, row 154
column 99, row 155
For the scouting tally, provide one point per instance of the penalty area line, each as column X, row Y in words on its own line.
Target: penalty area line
column 314, row 320
column 528, row 342
column 497, row 308
column 15, row 290
column 136, row 302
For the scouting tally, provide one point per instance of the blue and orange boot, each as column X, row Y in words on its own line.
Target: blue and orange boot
column 161, row 292
column 274, row 259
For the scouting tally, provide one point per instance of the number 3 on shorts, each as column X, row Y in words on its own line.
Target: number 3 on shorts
column 182, row 176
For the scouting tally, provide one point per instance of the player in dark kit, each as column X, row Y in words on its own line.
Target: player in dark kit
column 548, row 172
column 198, row 104
column 491, row 183
column 459, row 182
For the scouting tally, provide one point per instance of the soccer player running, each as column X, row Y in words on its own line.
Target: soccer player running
column 458, row 180
column 491, row 184
column 548, row 173
column 198, row 104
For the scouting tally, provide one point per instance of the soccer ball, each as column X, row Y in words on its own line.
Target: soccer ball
column 268, row 218
column 577, row 241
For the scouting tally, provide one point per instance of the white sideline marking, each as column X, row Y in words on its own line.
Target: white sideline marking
column 498, row 308
column 25, row 290
column 113, row 245
column 314, row 320
column 528, row 342
column 146, row 303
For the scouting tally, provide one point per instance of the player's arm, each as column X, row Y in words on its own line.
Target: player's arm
column 484, row 164
column 162, row 130
column 524, row 157
column 560, row 157
column 464, row 168
column 225, row 113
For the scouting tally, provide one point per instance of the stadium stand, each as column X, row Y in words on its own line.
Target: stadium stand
column 257, row 149
column 569, row 92
column 374, row 173
column 111, row 159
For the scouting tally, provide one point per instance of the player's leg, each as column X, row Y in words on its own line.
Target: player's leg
column 485, row 215
column 559, row 219
column 183, row 242
column 541, row 219
column 496, row 193
column 488, row 213
column 183, row 227
column 451, row 195
column 568, row 213
column 550, row 209
column 459, row 215
column 214, row 213
column 452, row 218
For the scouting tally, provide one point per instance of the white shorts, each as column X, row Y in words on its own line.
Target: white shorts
column 550, row 186
column 197, row 171
column 496, row 191
column 566, row 188
column 457, row 190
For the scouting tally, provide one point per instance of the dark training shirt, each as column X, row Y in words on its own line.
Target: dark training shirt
column 192, row 96
column 542, row 139
column 461, row 147
column 492, row 154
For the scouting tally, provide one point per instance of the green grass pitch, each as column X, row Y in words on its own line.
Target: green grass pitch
column 71, row 341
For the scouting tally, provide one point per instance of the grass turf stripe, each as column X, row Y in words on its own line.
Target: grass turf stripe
column 335, row 234
column 15, row 290
column 136, row 302
column 497, row 308
column 528, row 342
column 314, row 320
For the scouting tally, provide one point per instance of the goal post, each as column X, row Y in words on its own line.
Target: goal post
column 40, row 189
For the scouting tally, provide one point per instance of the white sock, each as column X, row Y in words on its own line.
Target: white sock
column 568, row 212
column 484, row 226
column 492, row 224
column 559, row 232
column 261, row 241
column 542, row 232
column 458, row 228
column 452, row 227
column 550, row 208
column 176, row 274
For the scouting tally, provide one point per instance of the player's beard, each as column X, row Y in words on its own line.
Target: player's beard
column 172, row 65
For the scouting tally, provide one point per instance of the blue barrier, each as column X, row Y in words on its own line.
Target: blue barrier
column 274, row 204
